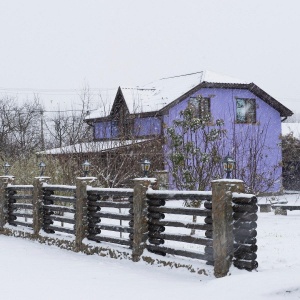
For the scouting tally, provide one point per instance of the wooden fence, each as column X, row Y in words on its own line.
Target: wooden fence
column 141, row 218
column 157, row 211
column 19, row 205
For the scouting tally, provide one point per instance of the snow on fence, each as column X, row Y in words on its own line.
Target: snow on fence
column 139, row 219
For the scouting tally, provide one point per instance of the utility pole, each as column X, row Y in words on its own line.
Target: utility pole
column 42, row 131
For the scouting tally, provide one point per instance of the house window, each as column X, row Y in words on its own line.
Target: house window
column 245, row 111
column 204, row 108
column 201, row 107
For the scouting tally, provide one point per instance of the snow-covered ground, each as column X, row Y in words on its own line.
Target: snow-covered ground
column 32, row 271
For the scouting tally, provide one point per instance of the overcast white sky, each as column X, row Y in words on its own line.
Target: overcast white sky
column 55, row 47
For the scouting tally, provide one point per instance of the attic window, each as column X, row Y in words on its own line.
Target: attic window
column 204, row 108
column 201, row 107
column 245, row 111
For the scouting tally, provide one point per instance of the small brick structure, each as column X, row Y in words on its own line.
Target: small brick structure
column 265, row 208
column 281, row 209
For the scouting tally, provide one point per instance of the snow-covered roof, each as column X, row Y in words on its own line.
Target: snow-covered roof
column 156, row 95
column 92, row 147
column 287, row 128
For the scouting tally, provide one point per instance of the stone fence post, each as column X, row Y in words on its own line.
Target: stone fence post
column 37, row 204
column 140, row 221
column 223, row 223
column 81, row 223
column 4, row 181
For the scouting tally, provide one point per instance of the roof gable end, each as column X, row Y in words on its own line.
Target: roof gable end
column 119, row 104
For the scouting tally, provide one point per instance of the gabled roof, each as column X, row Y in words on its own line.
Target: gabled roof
column 160, row 95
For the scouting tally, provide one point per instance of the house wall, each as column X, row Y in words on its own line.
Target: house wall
column 102, row 130
column 147, row 126
column 142, row 127
column 243, row 141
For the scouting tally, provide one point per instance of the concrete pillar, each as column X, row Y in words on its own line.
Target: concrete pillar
column 280, row 211
column 81, row 222
column 223, row 223
column 140, row 225
column 265, row 208
column 4, row 181
column 37, row 204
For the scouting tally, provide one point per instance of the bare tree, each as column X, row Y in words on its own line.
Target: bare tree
column 68, row 127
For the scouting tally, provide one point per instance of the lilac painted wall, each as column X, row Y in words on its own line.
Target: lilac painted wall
column 147, row 126
column 242, row 138
column 102, row 130
column 142, row 127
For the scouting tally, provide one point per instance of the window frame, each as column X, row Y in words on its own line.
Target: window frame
column 205, row 108
column 249, row 115
column 202, row 108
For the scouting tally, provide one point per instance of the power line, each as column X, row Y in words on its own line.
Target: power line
column 56, row 90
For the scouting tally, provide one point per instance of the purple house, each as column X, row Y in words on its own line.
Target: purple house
column 252, row 120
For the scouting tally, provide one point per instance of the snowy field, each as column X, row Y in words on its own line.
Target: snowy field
column 32, row 271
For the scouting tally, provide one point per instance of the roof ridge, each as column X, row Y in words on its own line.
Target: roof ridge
column 176, row 76
column 138, row 88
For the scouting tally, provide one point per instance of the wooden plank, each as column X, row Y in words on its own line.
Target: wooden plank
column 112, row 216
column 62, row 219
column 245, row 208
column 21, row 197
column 22, row 205
column 23, row 224
column 178, row 195
column 172, row 251
column 66, row 188
column 59, row 208
column 110, row 192
column 65, row 199
column 111, row 204
column 182, row 238
column 118, row 241
column 245, row 264
column 183, row 225
column 239, row 199
column 115, row 228
column 20, row 187
column 22, row 215
column 181, row 211
column 61, row 229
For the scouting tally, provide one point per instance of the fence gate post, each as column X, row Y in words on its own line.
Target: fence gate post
column 223, row 223
column 37, row 202
column 81, row 223
column 140, row 225
column 4, row 180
